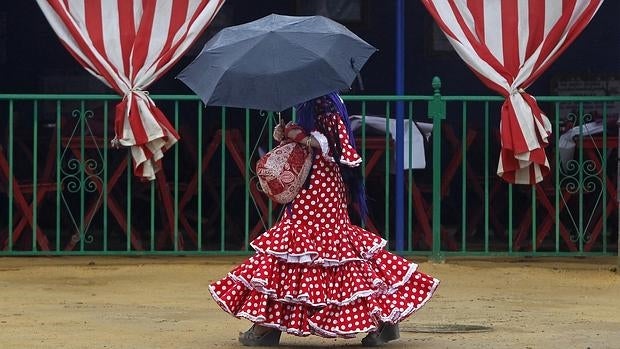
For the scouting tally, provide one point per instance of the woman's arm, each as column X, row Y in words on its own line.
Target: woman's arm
column 297, row 134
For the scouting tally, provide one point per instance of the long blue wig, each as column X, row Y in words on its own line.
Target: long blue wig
column 352, row 176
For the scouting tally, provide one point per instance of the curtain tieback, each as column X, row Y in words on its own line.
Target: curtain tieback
column 515, row 91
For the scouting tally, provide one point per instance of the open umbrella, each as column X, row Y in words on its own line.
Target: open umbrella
column 276, row 62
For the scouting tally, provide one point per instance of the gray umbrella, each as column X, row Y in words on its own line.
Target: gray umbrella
column 276, row 62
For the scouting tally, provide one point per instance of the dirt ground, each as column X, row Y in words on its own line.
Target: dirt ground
column 111, row 302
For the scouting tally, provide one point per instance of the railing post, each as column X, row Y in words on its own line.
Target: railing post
column 437, row 112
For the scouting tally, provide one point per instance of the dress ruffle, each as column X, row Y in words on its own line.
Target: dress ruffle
column 340, row 300
column 333, row 124
column 298, row 241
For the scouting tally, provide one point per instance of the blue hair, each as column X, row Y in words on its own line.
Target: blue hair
column 352, row 176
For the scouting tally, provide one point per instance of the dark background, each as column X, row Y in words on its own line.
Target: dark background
column 32, row 60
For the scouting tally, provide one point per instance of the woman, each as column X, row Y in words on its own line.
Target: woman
column 314, row 272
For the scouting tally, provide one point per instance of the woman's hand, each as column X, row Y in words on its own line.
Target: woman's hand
column 293, row 131
column 296, row 133
column 278, row 132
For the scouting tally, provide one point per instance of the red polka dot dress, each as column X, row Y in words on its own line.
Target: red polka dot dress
column 316, row 273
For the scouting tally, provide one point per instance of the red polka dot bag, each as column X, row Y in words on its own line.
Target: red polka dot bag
column 283, row 171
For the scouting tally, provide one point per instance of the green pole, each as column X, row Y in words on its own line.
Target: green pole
column 437, row 112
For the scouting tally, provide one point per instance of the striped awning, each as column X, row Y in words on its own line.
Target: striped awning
column 128, row 44
column 508, row 44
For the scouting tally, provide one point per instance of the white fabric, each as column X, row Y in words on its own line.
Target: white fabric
column 415, row 146
column 567, row 144
column 322, row 141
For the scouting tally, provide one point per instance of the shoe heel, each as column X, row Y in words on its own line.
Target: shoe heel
column 389, row 332
column 271, row 338
column 268, row 339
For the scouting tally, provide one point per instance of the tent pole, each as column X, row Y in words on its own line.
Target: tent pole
column 400, row 111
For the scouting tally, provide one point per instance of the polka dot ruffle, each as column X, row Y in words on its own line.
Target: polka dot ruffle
column 328, row 301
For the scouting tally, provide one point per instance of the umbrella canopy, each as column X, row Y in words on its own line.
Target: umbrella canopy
column 276, row 62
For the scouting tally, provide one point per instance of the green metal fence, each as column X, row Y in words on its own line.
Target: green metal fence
column 73, row 194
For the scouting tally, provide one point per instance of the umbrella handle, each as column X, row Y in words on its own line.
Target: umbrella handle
column 358, row 75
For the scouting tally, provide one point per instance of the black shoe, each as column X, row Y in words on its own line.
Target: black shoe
column 385, row 333
column 270, row 338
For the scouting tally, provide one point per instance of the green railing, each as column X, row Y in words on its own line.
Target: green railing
column 74, row 194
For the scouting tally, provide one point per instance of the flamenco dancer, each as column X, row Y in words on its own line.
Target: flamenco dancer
column 314, row 272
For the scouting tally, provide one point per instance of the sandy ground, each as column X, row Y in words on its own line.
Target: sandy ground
column 110, row 302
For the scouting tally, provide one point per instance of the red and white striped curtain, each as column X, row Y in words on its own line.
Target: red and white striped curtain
column 128, row 44
column 508, row 44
